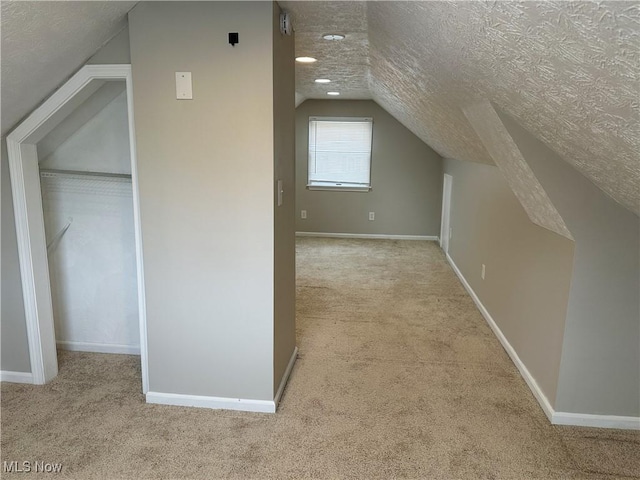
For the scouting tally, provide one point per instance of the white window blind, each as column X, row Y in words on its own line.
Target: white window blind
column 340, row 153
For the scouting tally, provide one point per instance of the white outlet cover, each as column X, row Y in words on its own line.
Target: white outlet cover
column 184, row 89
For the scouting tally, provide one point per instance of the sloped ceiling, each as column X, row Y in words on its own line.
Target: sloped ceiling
column 514, row 167
column 44, row 43
column 566, row 71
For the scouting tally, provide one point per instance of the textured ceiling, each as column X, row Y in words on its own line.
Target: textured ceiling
column 566, row 71
column 346, row 63
column 515, row 169
column 43, row 43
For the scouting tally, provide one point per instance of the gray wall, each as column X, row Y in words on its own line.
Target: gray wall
column 600, row 369
column 94, row 137
column 406, row 179
column 206, row 179
column 15, row 349
column 528, row 268
column 284, row 216
column 115, row 51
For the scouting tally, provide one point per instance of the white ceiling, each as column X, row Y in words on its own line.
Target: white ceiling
column 346, row 63
column 44, row 43
column 566, row 71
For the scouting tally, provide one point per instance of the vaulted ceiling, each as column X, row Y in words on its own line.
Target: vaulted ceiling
column 566, row 71
column 44, row 43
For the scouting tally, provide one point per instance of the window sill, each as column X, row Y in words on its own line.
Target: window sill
column 339, row 188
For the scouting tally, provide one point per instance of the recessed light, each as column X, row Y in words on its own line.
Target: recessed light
column 333, row 36
column 305, row 59
column 322, row 80
column 333, row 93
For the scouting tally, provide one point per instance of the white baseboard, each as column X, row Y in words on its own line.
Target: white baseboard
column 531, row 382
column 99, row 347
column 367, row 236
column 16, row 377
column 599, row 421
column 223, row 403
column 285, row 377
column 556, row 418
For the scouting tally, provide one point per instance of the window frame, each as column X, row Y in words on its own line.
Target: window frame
column 338, row 186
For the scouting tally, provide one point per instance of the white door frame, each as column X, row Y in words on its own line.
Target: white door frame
column 447, row 185
column 27, row 205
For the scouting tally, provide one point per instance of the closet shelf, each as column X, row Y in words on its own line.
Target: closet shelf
column 54, row 172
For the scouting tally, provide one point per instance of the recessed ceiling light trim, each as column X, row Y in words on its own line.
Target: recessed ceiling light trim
column 306, row 60
column 333, row 93
column 322, row 80
column 333, row 36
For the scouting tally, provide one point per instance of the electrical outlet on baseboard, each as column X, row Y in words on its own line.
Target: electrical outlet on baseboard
column 483, row 271
column 303, row 214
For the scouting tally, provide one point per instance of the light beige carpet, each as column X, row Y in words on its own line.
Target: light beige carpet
column 398, row 377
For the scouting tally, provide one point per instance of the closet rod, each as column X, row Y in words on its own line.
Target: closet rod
column 86, row 173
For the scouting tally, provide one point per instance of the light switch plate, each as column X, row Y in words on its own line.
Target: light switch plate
column 184, row 89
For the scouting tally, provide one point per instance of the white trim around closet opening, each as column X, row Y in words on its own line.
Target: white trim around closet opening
column 27, row 201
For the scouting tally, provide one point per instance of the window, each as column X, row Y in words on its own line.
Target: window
column 340, row 153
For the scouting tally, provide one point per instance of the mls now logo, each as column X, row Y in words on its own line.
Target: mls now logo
column 28, row 467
